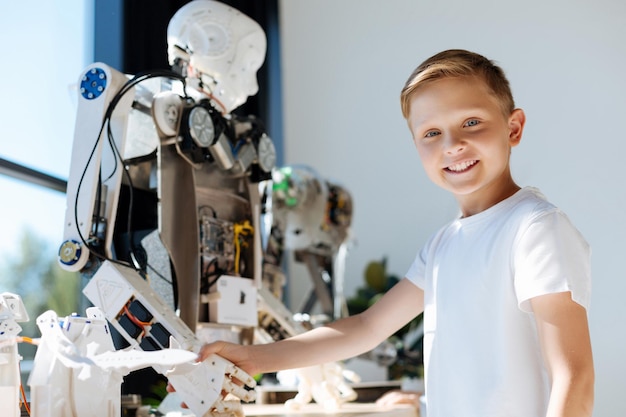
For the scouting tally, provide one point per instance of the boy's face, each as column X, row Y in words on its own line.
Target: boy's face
column 464, row 140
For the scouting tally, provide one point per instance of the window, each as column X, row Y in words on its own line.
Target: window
column 45, row 47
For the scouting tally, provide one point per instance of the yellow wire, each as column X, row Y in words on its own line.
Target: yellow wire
column 240, row 229
column 28, row 340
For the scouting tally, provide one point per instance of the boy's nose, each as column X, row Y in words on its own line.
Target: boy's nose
column 454, row 144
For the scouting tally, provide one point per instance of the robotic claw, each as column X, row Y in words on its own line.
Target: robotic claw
column 176, row 215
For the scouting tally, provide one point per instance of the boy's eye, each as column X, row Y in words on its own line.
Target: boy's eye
column 431, row 134
column 472, row 122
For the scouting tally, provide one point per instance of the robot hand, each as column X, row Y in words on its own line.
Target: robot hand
column 202, row 386
column 207, row 387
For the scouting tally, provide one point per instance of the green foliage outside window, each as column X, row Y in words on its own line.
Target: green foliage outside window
column 32, row 272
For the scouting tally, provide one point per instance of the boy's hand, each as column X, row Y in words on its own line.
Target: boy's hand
column 400, row 397
column 237, row 354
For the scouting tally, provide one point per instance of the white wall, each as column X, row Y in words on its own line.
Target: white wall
column 344, row 63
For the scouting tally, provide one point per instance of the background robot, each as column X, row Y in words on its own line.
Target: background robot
column 167, row 182
column 311, row 218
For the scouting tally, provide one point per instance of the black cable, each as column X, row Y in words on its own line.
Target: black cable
column 158, row 274
column 174, row 285
column 80, row 182
column 206, row 275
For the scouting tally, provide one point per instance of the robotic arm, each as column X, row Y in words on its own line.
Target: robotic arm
column 95, row 176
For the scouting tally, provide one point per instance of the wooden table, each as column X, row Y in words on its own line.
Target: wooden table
column 315, row 410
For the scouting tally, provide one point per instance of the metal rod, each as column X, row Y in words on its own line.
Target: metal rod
column 32, row 176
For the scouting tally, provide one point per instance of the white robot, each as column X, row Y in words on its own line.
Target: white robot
column 171, row 136
column 312, row 218
column 165, row 182
column 168, row 185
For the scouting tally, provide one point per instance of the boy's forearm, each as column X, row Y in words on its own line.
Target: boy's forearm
column 572, row 397
column 342, row 339
column 563, row 330
column 339, row 340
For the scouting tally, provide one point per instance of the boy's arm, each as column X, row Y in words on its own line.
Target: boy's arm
column 339, row 340
column 565, row 342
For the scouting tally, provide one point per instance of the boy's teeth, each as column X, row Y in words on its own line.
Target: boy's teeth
column 462, row 166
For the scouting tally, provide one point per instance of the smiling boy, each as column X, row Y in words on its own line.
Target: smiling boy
column 504, row 288
column 460, row 133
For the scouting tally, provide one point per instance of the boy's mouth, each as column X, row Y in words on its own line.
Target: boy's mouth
column 461, row 166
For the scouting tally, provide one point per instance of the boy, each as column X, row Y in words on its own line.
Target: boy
column 504, row 288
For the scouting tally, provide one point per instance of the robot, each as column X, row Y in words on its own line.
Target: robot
column 165, row 186
column 176, row 215
column 312, row 218
column 187, row 152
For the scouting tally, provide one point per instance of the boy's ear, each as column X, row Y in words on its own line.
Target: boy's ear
column 517, row 119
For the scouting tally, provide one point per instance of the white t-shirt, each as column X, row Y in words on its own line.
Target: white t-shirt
column 481, row 353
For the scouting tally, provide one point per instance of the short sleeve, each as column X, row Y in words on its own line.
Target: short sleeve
column 552, row 256
column 416, row 272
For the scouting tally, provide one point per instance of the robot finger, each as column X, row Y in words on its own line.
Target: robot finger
column 227, row 408
column 241, row 375
column 238, row 391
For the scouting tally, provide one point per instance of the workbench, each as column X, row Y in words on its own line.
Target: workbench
column 316, row 410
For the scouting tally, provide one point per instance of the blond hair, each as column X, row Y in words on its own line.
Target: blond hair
column 459, row 63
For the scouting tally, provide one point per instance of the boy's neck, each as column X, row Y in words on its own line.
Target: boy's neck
column 486, row 198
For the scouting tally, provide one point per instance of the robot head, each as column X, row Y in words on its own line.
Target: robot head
column 221, row 47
